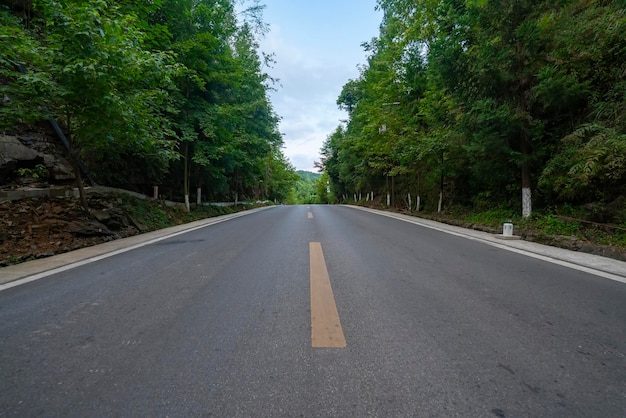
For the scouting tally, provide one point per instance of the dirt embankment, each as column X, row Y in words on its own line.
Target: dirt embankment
column 41, row 227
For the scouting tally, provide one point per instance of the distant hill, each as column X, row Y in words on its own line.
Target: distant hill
column 309, row 175
column 305, row 187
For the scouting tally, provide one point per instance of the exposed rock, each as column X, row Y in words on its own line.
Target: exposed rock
column 113, row 218
column 60, row 169
column 88, row 228
column 604, row 250
column 101, row 215
column 134, row 222
column 39, row 227
column 567, row 242
column 12, row 150
column 45, row 254
column 29, row 151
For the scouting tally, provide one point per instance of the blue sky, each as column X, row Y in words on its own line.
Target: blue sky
column 317, row 47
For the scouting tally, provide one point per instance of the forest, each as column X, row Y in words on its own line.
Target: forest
column 486, row 104
column 168, row 92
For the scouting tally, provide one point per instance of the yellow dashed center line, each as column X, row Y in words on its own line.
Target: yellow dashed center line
column 326, row 328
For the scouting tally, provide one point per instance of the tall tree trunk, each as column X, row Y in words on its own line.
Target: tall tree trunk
column 527, row 208
column 418, row 199
column 79, row 184
column 440, row 204
column 186, row 177
column 525, row 148
column 387, row 187
column 76, row 165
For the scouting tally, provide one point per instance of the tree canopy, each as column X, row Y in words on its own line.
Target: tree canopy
column 169, row 92
column 487, row 102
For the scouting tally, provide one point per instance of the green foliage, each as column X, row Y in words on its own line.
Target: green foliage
column 40, row 171
column 154, row 215
column 280, row 177
column 146, row 212
column 592, row 161
column 552, row 225
column 168, row 92
column 22, row 95
column 474, row 100
column 305, row 188
column 322, row 190
column 493, row 217
column 110, row 90
column 546, row 224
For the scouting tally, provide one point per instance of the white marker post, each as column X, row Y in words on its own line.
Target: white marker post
column 507, row 232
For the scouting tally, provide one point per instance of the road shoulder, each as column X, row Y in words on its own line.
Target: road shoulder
column 595, row 264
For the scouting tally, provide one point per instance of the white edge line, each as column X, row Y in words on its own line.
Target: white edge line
column 563, row 263
column 70, row 266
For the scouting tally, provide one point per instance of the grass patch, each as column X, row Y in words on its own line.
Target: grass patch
column 494, row 217
column 560, row 221
column 155, row 215
column 147, row 212
column 552, row 225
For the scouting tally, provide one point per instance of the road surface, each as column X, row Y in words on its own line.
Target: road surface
column 320, row 311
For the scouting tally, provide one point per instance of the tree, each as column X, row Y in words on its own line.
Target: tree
column 590, row 166
column 305, row 188
column 93, row 75
column 485, row 95
column 146, row 88
column 582, row 90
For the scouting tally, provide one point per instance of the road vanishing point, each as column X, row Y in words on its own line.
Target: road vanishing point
column 314, row 311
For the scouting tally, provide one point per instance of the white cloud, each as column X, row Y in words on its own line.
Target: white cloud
column 303, row 162
column 305, row 101
column 317, row 50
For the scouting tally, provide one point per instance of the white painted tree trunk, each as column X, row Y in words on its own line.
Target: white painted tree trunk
column 388, row 199
column 187, row 203
column 440, row 201
column 527, row 203
column 418, row 200
column 410, row 203
column 155, row 192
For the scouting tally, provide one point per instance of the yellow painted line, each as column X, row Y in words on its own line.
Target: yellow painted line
column 326, row 328
column 309, row 215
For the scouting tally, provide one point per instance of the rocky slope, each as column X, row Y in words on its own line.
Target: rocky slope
column 32, row 158
column 41, row 227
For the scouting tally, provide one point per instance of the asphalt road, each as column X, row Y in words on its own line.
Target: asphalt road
column 218, row 322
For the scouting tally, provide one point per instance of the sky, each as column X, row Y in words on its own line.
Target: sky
column 317, row 48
